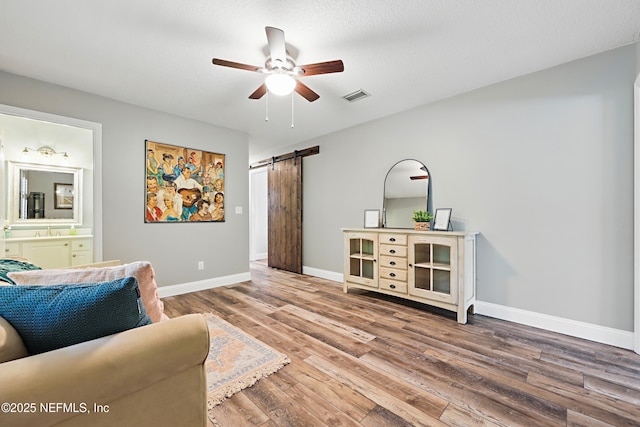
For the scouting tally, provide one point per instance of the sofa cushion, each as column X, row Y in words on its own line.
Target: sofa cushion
column 11, row 345
column 141, row 270
column 8, row 265
column 51, row 317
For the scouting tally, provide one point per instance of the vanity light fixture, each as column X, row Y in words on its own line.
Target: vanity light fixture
column 46, row 151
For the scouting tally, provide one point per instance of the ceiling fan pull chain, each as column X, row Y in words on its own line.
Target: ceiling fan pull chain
column 266, row 112
column 292, row 110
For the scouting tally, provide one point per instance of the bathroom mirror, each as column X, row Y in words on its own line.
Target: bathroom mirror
column 44, row 194
column 407, row 188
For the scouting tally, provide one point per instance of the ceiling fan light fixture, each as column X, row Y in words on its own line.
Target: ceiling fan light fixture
column 280, row 84
column 283, row 73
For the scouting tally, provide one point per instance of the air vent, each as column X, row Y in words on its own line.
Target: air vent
column 358, row 94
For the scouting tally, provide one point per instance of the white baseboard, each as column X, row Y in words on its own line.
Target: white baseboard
column 589, row 331
column 259, row 256
column 201, row 285
column 324, row 274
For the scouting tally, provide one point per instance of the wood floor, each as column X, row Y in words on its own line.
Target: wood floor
column 361, row 359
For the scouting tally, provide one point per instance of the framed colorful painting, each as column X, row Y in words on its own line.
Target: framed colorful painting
column 183, row 184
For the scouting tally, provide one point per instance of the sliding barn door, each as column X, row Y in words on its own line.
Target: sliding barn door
column 285, row 215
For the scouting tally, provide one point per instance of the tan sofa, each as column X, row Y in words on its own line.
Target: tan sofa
column 153, row 375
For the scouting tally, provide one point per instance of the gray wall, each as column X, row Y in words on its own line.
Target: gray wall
column 174, row 249
column 541, row 165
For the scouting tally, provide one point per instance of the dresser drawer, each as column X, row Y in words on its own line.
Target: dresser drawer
column 393, row 273
column 393, row 239
column 81, row 245
column 393, row 250
column 12, row 249
column 393, row 262
column 393, row 285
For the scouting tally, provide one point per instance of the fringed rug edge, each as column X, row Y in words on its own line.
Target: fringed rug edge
column 216, row 397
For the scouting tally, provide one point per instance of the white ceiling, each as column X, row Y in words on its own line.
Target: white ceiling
column 157, row 53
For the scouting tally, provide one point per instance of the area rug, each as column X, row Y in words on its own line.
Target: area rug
column 236, row 360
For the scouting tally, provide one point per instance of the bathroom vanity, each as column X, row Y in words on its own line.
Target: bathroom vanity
column 52, row 251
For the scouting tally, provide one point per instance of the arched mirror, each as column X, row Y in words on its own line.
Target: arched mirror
column 407, row 188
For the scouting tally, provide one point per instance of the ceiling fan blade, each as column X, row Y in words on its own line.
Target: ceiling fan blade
column 259, row 93
column 232, row 64
column 323, row 68
column 305, row 91
column 275, row 38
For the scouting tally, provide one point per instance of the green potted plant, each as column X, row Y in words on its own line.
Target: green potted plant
column 422, row 219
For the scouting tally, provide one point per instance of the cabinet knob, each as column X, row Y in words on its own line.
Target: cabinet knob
column 392, row 251
column 392, row 286
column 392, row 263
column 392, row 274
column 393, row 239
column 411, row 265
column 74, row 255
column 81, row 245
column 66, row 244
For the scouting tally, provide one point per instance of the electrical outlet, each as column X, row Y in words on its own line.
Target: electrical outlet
column 200, row 265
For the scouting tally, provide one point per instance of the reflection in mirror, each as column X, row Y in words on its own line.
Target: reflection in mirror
column 44, row 194
column 407, row 187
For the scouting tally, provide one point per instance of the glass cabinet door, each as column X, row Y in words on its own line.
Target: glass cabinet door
column 432, row 268
column 362, row 257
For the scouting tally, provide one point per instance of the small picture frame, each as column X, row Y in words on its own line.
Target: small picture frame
column 442, row 219
column 63, row 196
column 372, row 218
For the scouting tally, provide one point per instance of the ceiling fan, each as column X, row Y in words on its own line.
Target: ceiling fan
column 282, row 72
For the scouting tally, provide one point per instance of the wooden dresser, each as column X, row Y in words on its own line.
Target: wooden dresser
column 431, row 267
